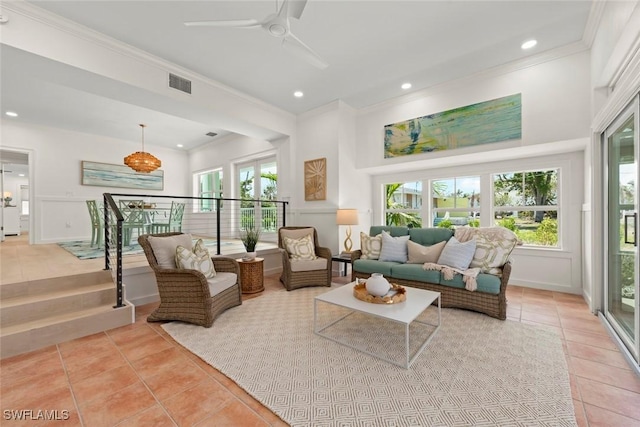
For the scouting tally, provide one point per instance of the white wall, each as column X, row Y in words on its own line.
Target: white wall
column 88, row 50
column 58, row 208
column 318, row 137
column 555, row 107
column 615, row 70
column 555, row 120
column 330, row 132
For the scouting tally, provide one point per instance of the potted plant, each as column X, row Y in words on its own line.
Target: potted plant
column 250, row 237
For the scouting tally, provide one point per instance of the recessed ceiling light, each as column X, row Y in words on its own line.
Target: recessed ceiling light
column 11, row 114
column 20, row 174
column 529, row 44
column 298, row 94
column 406, row 86
column 180, row 145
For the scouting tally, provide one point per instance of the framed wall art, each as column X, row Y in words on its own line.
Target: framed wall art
column 482, row 123
column 120, row 176
column 315, row 179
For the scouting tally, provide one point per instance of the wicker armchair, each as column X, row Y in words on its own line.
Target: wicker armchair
column 185, row 295
column 293, row 278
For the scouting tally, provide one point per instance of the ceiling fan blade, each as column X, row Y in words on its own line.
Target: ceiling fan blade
column 295, row 45
column 292, row 8
column 238, row 23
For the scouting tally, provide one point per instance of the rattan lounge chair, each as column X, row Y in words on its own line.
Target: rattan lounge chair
column 292, row 279
column 185, row 295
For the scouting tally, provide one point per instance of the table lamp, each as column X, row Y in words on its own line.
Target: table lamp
column 347, row 217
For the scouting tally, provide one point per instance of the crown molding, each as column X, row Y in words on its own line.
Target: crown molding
column 92, row 36
column 329, row 107
column 593, row 21
column 521, row 64
column 627, row 87
column 622, row 55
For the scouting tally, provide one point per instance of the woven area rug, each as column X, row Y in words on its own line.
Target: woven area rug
column 476, row 371
column 82, row 249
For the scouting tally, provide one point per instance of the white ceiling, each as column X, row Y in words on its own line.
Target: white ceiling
column 371, row 47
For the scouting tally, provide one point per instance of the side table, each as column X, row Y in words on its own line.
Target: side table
column 251, row 275
column 343, row 258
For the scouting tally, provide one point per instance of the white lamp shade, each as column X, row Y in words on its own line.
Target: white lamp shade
column 347, row 217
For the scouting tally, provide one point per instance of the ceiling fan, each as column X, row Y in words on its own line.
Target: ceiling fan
column 276, row 25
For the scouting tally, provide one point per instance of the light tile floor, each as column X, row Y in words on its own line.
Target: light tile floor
column 138, row 376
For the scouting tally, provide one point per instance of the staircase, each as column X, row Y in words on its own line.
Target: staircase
column 39, row 313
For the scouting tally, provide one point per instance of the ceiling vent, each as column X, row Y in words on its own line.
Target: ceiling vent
column 179, row 83
column 211, row 134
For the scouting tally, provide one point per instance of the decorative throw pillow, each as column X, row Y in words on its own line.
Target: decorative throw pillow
column 196, row 259
column 164, row 248
column 370, row 246
column 301, row 248
column 493, row 246
column 393, row 248
column 419, row 254
column 297, row 233
column 456, row 254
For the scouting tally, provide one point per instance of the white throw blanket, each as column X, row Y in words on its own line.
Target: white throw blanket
column 468, row 276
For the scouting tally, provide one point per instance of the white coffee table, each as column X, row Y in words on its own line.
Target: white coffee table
column 405, row 313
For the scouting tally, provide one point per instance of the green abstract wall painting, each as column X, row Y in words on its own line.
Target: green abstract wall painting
column 120, row 176
column 482, row 123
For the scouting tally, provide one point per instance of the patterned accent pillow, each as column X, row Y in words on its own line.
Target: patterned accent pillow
column 393, row 248
column 196, row 259
column 456, row 254
column 493, row 246
column 419, row 254
column 370, row 246
column 301, row 248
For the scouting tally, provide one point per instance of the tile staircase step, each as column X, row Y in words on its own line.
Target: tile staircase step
column 33, row 307
column 29, row 336
column 34, row 287
column 35, row 314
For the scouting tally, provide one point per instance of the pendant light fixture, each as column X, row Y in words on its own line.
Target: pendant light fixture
column 141, row 161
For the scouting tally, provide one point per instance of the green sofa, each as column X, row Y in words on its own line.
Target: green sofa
column 489, row 298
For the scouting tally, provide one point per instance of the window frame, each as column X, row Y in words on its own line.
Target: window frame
column 432, row 196
column 418, row 210
column 216, row 192
column 531, row 208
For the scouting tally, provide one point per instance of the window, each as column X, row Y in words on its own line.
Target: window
column 265, row 188
column 24, row 200
column 403, row 204
column 209, row 186
column 456, row 201
column 527, row 203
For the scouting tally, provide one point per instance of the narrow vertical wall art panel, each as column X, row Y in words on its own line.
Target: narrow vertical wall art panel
column 482, row 123
column 315, row 179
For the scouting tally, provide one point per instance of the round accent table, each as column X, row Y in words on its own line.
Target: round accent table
column 251, row 275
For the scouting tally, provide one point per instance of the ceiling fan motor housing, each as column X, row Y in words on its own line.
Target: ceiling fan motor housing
column 277, row 26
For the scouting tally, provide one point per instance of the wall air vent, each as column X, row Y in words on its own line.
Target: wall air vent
column 179, row 83
column 211, row 134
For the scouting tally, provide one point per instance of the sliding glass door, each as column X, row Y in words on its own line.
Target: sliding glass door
column 622, row 261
